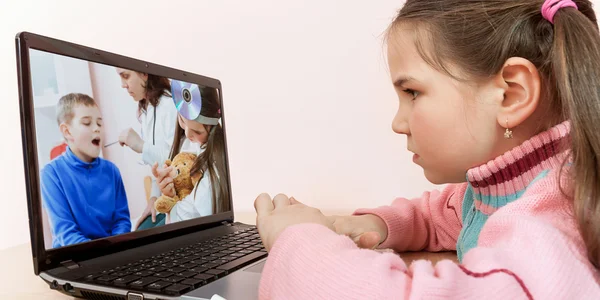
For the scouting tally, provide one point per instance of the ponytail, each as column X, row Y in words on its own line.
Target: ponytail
column 575, row 59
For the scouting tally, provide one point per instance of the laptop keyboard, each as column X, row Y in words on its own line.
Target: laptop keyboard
column 179, row 271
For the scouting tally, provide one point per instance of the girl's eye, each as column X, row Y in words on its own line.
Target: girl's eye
column 412, row 93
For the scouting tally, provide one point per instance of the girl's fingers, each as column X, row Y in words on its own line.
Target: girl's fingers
column 369, row 240
column 155, row 170
column 165, row 182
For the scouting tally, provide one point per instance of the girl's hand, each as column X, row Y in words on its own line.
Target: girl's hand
column 164, row 179
column 130, row 138
column 367, row 231
column 273, row 216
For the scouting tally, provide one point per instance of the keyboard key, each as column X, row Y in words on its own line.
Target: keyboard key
column 123, row 281
column 170, row 265
column 245, row 251
column 193, row 282
column 178, row 289
column 181, row 260
column 186, row 266
column 199, row 261
column 220, row 261
column 94, row 276
column 230, row 257
column 163, row 274
column 177, row 269
column 143, row 273
column 237, row 254
column 173, row 279
column 106, row 278
column 157, row 269
column 140, row 283
column 198, row 269
column 205, row 277
column 121, row 273
column 187, row 274
column 158, row 286
column 216, row 272
column 235, row 264
column 166, row 260
column 209, row 265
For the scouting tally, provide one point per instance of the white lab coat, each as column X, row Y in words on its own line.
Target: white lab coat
column 158, row 136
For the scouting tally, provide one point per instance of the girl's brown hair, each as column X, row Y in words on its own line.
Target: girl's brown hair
column 155, row 87
column 211, row 162
column 478, row 36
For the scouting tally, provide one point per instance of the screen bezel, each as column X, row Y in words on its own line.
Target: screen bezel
column 48, row 259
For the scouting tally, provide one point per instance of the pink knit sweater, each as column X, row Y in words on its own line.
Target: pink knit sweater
column 510, row 219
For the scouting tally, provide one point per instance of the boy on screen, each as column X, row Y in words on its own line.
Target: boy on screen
column 83, row 194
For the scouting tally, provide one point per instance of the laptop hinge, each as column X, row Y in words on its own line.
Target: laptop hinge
column 69, row 264
column 226, row 223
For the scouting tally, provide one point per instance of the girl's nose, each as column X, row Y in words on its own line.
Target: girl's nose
column 400, row 124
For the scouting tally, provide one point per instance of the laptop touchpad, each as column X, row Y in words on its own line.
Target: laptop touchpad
column 257, row 268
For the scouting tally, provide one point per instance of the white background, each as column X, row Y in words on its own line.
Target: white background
column 308, row 99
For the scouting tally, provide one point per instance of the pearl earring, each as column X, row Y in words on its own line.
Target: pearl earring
column 508, row 133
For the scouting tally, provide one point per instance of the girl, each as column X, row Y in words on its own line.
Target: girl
column 157, row 115
column 500, row 100
column 203, row 136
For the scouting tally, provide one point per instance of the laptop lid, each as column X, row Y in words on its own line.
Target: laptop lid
column 85, row 192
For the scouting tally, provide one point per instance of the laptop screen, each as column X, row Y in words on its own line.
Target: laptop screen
column 122, row 151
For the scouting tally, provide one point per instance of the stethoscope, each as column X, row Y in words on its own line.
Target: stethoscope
column 154, row 125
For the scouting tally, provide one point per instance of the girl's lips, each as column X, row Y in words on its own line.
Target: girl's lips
column 415, row 157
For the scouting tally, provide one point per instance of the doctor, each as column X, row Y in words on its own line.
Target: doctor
column 158, row 117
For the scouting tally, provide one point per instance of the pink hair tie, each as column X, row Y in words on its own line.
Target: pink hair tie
column 550, row 7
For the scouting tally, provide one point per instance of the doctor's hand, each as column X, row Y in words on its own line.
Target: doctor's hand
column 148, row 211
column 131, row 139
column 274, row 216
column 164, row 179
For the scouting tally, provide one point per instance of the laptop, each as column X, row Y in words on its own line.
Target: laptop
column 209, row 256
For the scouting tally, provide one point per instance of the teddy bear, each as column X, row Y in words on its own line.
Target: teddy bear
column 183, row 182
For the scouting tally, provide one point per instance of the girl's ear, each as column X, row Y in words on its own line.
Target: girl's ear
column 66, row 132
column 522, row 86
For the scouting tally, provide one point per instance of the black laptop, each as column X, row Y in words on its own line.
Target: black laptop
column 204, row 257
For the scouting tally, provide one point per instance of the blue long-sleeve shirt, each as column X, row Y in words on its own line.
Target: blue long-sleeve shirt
column 84, row 201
